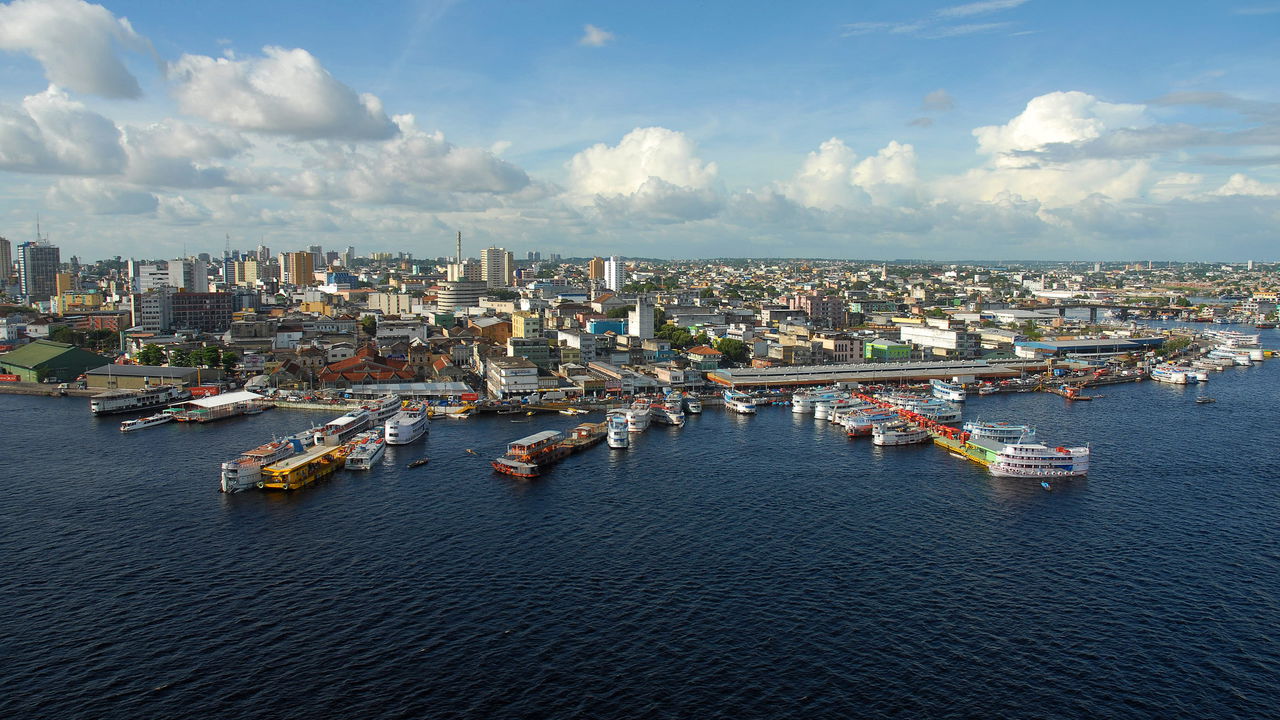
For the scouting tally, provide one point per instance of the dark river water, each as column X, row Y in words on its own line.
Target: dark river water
column 739, row 567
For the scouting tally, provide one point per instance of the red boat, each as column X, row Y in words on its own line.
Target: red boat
column 527, row 456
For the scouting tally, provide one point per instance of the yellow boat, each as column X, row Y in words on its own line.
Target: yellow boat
column 316, row 463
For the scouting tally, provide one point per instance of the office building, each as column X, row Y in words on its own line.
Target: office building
column 595, row 269
column 615, row 273
column 37, row 269
column 6, row 262
column 640, row 320
column 297, row 268
column 496, row 266
column 191, row 275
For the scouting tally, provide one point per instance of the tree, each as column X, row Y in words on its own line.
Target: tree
column 180, row 358
column 229, row 360
column 707, row 293
column 734, row 351
column 1030, row 330
column 63, row 334
column 369, row 324
column 209, row 356
column 618, row 312
column 150, row 355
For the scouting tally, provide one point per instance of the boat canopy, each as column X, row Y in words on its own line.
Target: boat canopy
column 216, row 401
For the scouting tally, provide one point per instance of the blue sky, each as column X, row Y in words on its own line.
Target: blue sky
column 1000, row 129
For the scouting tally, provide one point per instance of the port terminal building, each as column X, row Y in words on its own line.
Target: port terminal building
column 904, row 372
column 137, row 377
column 1088, row 347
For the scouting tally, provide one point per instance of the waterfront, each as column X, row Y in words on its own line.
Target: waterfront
column 759, row 566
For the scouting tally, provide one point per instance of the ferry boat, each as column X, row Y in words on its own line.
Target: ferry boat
column 619, row 438
column 366, row 449
column 898, row 433
column 302, row 469
column 1172, row 374
column 1238, row 356
column 692, row 404
column 932, row 408
column 527, row 456
column 122, row 401
column 408, row 425
column 802, row 403
column 950, row 392
column 339, row 430
column 1001, row 432
column 668, row 413
column 739, row 402
column 245, row 471
column 1036, row 460
column 987, row 389
column 863, row 422
column 638, row 416
column 1235, row 339
column 146, row 422
column 383, row 408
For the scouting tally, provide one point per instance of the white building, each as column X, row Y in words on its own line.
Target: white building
column 640, row 320
column 943, row 341
column 615, row 273
column 191, row 275
column 496, row 266
column 508, row 376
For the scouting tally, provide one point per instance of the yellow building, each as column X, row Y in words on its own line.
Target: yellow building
column 316, row 306
column 595, row 268
column 68, row 302
column 297, row 268
column 526, row 325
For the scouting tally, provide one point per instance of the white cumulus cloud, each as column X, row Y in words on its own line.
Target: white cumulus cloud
column 76, row 42
column 651, row 172
column 1055, row 118
column 593, row 36
column 1241, row 184
column 832, row 177
column 96, row 197
column 51, row 133
column 285, row 92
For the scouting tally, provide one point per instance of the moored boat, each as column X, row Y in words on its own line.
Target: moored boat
column 408, row 425
column 245, row 471
column 638, row 416
column 146, row 422
column 1001, row 432
column 950, row 392
column 383, row 408
column 619, row 438
column 526, row 457
column 739, row 402
column 1036, row 460
column 692, row 404
column 309, row 466
column 898, row 433
column 366, row 449
column 122, row 401
column 342, row 428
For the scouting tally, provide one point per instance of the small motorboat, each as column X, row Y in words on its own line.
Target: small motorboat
column 419, row 462
column 1204, row 400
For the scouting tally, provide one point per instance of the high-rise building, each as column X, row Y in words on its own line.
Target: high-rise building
column 248, row 272
column 6, row 262
column 459, row 294
column 595, row 269
column 468, row 270
column 317, row 256
column 347, row 257
column 615, row 273
column 37, row 267
column 297, row 268
column 640, row 320
column 264, row 253
column 496, row 266
column 190, row 275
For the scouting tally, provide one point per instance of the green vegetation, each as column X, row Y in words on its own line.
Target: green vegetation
column 734, row 351
column 150, row 355
column 369, row 324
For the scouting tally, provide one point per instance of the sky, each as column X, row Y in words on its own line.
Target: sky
column 997, row 129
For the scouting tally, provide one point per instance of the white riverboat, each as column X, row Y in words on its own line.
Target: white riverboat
column 638, row 416
column 739, row 402
column 1036, row 460
column 862, row 422
column 692, row 404
column 898, row 433
column 367, row 449
column 342, row 428
column 1173, row 375
column 950, row 392
column 1001, row 432
column 618, row 436
column 122, row 401
column 670, row 412
column 383, row 408
column 148, row 421
column 408, row 425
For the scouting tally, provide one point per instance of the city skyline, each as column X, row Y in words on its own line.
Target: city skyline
column 1013, row 129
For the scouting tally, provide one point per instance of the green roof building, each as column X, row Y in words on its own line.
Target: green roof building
column 45, row 360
